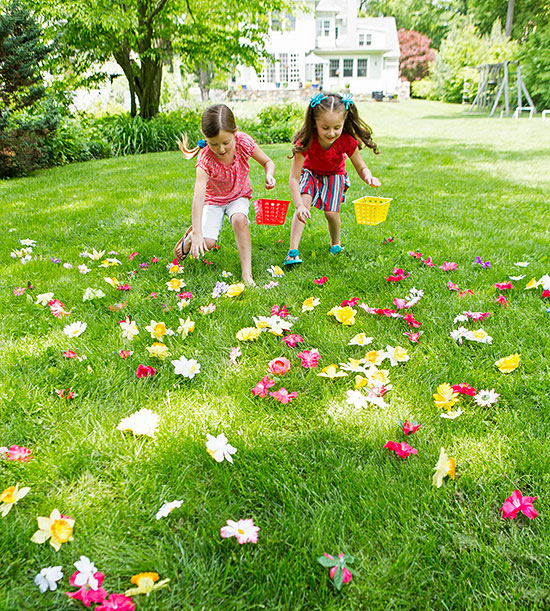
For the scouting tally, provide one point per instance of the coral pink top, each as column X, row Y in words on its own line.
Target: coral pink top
column 333, row 161
column 226, row 183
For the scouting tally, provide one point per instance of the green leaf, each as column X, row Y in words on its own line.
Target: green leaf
column 328, row 562
column 338, row 579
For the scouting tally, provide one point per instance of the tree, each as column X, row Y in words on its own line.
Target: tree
column 141, row 35
column 416, row 55
column 519, row 17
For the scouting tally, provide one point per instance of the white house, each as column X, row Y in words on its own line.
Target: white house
column 325, row 43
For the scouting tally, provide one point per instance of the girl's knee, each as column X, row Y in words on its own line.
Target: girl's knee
column 239, row 222
column 210, row 243
column 332, row 215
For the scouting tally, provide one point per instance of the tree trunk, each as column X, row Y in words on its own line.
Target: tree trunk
column 509, row 18
column 148, row 86
column 205, row 74
column 122, row 57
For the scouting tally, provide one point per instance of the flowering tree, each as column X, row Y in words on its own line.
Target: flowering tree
column 416, row 55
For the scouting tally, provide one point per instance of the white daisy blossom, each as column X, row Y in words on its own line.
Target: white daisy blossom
column 75, row 329
column 84, row 269
column 459, row 334
column 188, row 368
column 460, row 318
column 44, row 298
column 356, row 398
column 143, row 422
column 486, row 398
column 218, row 448
column 48, row 578
column 452, row 415
column 27, row 242
column 168, row 508
column 86, row 571
column 521, row 263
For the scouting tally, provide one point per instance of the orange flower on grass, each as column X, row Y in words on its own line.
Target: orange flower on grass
column 145, row 583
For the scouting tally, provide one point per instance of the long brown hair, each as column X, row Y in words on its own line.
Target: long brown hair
column 214, row 119
column 353, row 124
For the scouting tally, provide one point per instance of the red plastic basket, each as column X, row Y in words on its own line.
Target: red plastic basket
column 271, row 211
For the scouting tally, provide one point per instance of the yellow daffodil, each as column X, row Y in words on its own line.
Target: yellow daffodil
column 532, row 284
column 248, row 334
column 310, row 303
column 360, row 381
column 479, row 335
column 159, row 350
column 380, row 376
column 445, row 397
column 345, row 315
column 234, row 290
column 186, row 326
column 375, row 356
column 508, row 363
column 445, row 466
column 156, row 329
column 331, row 371
column 356, row 365
column 96, row 254
column 360, row 339
column 145, row 584
column 10, row 496
column 57, row 528
column 174, row 269
column 111, row 281
column 175, row 284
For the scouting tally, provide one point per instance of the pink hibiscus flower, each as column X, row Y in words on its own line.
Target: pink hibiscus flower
column 350, row 302
column 292, row 340
column 309, row 358
column 411, row 322
column 452, row 286
column 464, row 389
column 546, row 293
column 124, row 354
column 502, row 300
column 503, row 286
column 409, row 428
column 85, row 594
column 414, row 337
column 19, row 453
column 145, row 371
column 415, row 255
column 283, row 396
column 428, row 261
column 260, row 390
column 117, row 602
column 321, row 281
column 516, row 503
column 401, row 449
column 448, row 267
column 57, row 308
column 397, row 275
column 280, row 311
column 400, row 303
column 279, row 366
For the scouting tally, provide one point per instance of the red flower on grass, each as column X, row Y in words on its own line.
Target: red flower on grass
column 62, row 395
column 260, row 390
column 309, row 358
column 503, row 286
column 321, row 281
column 411, row 322
column 280, row 311
column 516, row 503
column 18, row 453
column 409, row 428
column 464, row 389
column 350, row 302
column 145, row 371
column 397, row 275
column 401, row 449
column 283, row 396
column 414, row 337
column 117, row 602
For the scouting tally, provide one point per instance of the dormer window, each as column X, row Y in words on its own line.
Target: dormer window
column 323, row 27
column 365, row 40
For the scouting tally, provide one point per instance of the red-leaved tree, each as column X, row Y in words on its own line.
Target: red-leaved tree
column 416, row 55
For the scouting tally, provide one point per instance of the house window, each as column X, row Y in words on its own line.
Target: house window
column 276, row 21
column 334, row 68
column 291, row 22
column 348, row 67
column 362, row 67
column 267, row 75
column 323, row 27
column 365, row 40
column 283, row 67
column 294, row 68
column 319, row 70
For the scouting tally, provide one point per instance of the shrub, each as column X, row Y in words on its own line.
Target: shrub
column 425, row 89
column 535, row 66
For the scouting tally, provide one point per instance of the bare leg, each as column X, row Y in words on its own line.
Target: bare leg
column 244, row 246
column 297, row 227
column 333, row 220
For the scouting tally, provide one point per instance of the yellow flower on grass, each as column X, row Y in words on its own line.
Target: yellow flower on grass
column 508, row 363
column 145, row 584
column 10, row 496
column 360, row 339
column 156, row 329
column 111, row 281
column 310, row 303
column 375, row 356
column 445, row 397
column 380, row 376
column 360, row 381
column 345, row 315
column 234, row 290
column 186, row 326
column 175, row 284
column 159, row 350
column 57, row 528
column 331, row 371
column 531, row 284
column 175, row 269
column 445, row 466
column 248, row 334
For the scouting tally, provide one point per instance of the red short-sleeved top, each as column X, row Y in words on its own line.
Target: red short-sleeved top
column 331, row 161
column 226, row 183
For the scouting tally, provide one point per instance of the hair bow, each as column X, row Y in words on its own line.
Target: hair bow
column 347, row 100
column 201, row 143
column 317, row 99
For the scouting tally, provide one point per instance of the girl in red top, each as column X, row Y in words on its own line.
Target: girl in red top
column 332, row 129
column 222, row 186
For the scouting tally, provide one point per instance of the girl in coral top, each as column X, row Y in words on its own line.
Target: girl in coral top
column 331, row 131
column 222, row 186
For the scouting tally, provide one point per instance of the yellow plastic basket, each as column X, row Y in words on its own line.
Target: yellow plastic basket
column 371, row 210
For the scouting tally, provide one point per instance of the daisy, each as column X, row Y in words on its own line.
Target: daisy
column 486, row 398
column 243, row 530
column 75, row 329
column 218, row 448
column 168, row 508
column 188, row 368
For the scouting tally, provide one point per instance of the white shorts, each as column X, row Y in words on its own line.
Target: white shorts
column 212, row 216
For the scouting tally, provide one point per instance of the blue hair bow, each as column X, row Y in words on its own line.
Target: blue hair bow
column 201, row 143
column 317, row 99
column 347, row 100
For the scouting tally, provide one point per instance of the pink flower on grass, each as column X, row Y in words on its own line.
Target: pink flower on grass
column 448, row 267
column 321, row 281
column 283, row 396
column 85, row 594
column 502, row 300
column 243, row 530
column 397, row 275
column 145, row 371
column 414, row 337
column 350, row 302
column 280, row 311
column 279, row 366
column 19, row 453
column 399, row 303
column 452, row 286
column 57, row 308
column 464, row 389
column 414, row 255
column 503, row 286
column 62, row 395
column 339, row 573
column 20, row 290
column 309, row 358
column 401, row 449
column 292, row 340
column 260, row 390
column 545, row 293
column 69, row 354
column 428, row 261
column 411, row 322
column 516, row 503
column 409, row 428
column 124, row 354
column 117, row 602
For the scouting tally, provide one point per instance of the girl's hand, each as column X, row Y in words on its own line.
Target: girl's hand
column 372, row 181
column 198, row 246
column 269, row 181
column 303, row 214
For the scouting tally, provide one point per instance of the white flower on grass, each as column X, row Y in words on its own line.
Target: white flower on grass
column 84, row 269
column 356, row 398
column 168, row 508
column 521, row 263
column 517, row 278
column 85, row 573
column 75, row 329
column 218, row 448
column 275, row 271
column 226, row 274
column 544, row 281
column 354, row 365
column 452, row 415
column 44, row 298
column 396, row 355
column 143, row 422
column 91, row 293
column 96, row 255
column 186, row 326
column 48, row 578
column 460, row 318
column 129, row 328
column 459, row 334
column 27, row 242
column 486, row 398
column 274, row 324
column 360, row 339
column 374, row 396
column 109, row 262
column 188, row 368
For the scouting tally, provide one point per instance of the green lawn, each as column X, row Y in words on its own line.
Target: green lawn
column 312, row 474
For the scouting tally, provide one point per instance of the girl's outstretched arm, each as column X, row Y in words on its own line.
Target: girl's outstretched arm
column 198, row 243
column 361, row 168
column 302, row 211
column 268, row 165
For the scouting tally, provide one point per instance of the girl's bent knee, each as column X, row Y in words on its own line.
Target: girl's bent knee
column 239, row 221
